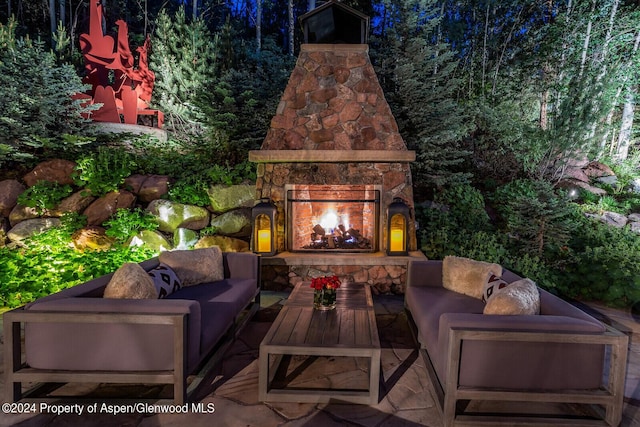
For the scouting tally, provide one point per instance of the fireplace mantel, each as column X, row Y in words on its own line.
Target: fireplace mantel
column 331, row 156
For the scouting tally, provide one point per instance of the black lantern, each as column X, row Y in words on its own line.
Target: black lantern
column 397, row 227
column 263, row 218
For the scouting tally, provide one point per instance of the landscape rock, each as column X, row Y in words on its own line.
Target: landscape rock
column 635, row 227
column 21, row 213
column 596, row 169
column 92, row 238
column 30, row 227
column 635, row 185
column 225, row 198
column 577, row 174
column 226, row 244
column 134, row 182
column 56, row 170
column 153, row 188
column 614, row 219
column 611, row 180
column 151, row 239
column 77, row 202
column 634, row 217
column 4, row 227
column 10, row 190
column 102, row 208
column 236, row 223
column 172, row 215
column 183, row 238
column 575, row 184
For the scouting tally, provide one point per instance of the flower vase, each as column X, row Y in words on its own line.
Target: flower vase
column 324, row 299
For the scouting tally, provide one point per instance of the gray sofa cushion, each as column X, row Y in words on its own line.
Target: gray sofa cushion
column 220, row 302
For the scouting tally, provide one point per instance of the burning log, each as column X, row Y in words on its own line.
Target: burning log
column 319, row 230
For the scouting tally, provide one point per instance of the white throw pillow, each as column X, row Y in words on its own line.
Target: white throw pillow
column 520, row 297
column 467, row 276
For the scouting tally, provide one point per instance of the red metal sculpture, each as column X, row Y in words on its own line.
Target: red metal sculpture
column 121, row 89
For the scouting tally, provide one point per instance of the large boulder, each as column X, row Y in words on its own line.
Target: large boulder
column 77, row 202
column 102, row 208
column 30, row 227
column 236, row 223
column 183, row 238
column 572, row 184
column 4, row 227
column 226, row 244
column 21, row 213
column 10, row 190
column 56, row 170
column 597, row 169
column 92, row 238
column 224, row 198
column 172, row 215
column 151, row 239
column 615, row 219
column 154, row 187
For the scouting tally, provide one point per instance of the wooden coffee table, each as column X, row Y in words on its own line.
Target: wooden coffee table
column 299, row 330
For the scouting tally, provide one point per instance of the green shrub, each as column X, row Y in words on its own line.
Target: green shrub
column 535, row 216
column 47, row 264
column 105, row 170
column 606, row 264
column 44, row 195
column 125, row 223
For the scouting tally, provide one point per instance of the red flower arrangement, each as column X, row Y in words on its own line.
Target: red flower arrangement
column 325, row 282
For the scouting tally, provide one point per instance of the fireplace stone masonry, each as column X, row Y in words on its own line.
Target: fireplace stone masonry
column 333, row 127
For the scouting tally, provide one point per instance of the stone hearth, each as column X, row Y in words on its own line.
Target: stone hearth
column 333, row 127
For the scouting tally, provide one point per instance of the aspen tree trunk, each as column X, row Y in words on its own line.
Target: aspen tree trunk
column 63, row 12
column 587, row 40
column 291, row 25
column 258, row 25
column 311, row 4
column 52, row 18
column 624, row 137
column 195, row 9
column 484, row 49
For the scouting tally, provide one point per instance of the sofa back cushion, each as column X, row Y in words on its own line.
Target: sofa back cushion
column 195, row 266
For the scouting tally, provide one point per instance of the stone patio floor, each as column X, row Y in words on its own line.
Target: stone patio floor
column 405, row 399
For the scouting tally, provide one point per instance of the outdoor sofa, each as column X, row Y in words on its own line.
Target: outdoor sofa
column 555, row 356
column 78, row 336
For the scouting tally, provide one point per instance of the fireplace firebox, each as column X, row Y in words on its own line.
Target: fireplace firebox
column 336, row 218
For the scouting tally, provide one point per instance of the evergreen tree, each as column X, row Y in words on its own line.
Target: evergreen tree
column 419, row 75
column 183, row 58
column 36, row 103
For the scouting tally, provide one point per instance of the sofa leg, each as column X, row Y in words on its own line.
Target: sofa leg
column 12, row 358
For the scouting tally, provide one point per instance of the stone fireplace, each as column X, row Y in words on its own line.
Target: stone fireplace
column 332, row 162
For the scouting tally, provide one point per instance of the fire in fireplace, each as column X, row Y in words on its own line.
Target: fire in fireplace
column 341, row 218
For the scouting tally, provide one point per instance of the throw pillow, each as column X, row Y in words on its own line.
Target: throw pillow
column 130, row 282
column 467, row 276
column 195, row 266
column 492, row 284
column 520, row 297
column 165, row 280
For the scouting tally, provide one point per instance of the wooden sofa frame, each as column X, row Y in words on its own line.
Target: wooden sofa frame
column 610, row 396
column 17, row 372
